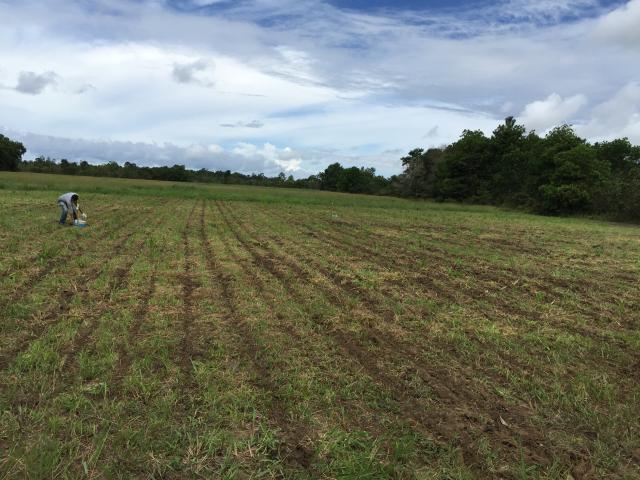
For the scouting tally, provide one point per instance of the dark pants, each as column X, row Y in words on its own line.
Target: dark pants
column 64, row 209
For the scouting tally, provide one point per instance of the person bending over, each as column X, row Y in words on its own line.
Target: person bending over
column 69, row 201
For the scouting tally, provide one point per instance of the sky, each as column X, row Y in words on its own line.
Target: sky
column 293, row 85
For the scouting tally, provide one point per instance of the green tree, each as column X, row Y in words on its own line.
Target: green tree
column 418, row 177
column 619, row 153
column 510, row 152
column 463, row 173
column 130, row 170
column 10, row 153
column 331, row 177
column 543, row 164
column 575, row 181
column 620, row 199
column 67, row 167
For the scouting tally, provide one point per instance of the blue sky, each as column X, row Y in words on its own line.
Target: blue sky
column 284, row 85
column 368, row 5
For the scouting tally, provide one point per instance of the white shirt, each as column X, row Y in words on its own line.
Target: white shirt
column 66, row 199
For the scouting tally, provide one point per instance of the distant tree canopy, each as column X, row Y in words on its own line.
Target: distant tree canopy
column 10, row 153
column 558, row 174
column 175, row 173
column 352, row 180
column 335, row 177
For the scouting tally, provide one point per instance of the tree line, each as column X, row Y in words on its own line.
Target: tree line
column 334, row 178
column 559, row 173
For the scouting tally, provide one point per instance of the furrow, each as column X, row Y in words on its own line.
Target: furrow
column 188, row 287
column 476, row 267
column 388, row 348
column 468, row 292
column 60, row 307
column 20, row 291
column 293, row 437
column 125, row 358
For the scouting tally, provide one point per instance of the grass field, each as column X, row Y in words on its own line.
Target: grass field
column 228, row 332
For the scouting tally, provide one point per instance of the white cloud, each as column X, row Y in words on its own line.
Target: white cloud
column 621, row 26
column 554, row 110
column 286, row 158
column 617, row 117
column 329, row 84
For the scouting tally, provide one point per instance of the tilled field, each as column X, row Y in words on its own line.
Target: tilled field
column 204, row 338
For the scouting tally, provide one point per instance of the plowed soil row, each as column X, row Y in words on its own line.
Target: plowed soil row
column 254, row 333
column 353, row 417
column 409, row 249
column 526, row 242
column 452, row 294
column 357, row 247
column 272, row 265
column 60, row 306
column 125, row 358
column 468, row 294
column 504, row 301
column 507, row 301
column 53, row 237
column 461, row 406
column 302, row 339
column 117, row 282
column 373, row 302
column 187, row 315
column 50, row 266
column 349, row 345
column 293, row 435
column 527, row 363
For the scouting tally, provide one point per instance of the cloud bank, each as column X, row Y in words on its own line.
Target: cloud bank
column 244, row 157
column 159, row 79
